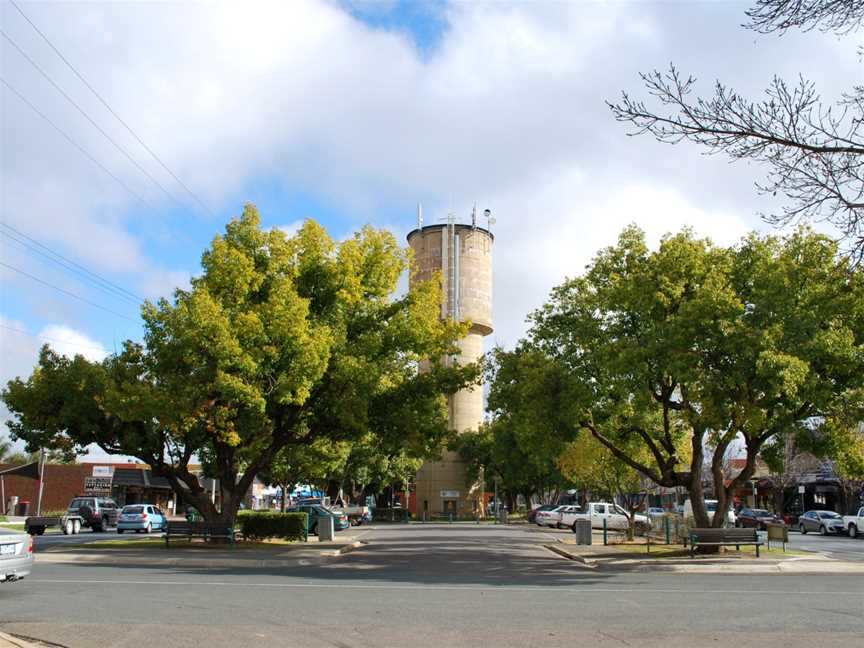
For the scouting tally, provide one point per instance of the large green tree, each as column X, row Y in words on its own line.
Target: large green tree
column 718, row 346
column 282, row 341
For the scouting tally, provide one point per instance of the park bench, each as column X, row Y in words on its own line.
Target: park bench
column 721, row 537
column 206, row 530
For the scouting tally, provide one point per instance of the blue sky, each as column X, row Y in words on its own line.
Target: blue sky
column 351, row 112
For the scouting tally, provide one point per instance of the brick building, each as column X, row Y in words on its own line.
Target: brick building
column 62, row 483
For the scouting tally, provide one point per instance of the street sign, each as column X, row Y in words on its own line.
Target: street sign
column 97, row 485
column 801, row 490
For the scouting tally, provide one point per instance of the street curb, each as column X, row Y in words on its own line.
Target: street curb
column 790, row 566
column 8, row 641
column 569, row 556
column 344, row 550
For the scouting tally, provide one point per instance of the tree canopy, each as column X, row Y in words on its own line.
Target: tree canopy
column 697, row 346
column 282, row 341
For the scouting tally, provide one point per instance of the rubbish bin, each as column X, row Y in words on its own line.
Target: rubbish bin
column 10, row 505
column 582, row 529
column 502, row 516
column 22, row 508
column 325, row 528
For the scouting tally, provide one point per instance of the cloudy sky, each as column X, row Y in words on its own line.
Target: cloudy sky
column 349, row 113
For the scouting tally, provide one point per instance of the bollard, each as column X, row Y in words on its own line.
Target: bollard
column 666, row 524
column 605, row 529
column 424, row 517
column 450, row 515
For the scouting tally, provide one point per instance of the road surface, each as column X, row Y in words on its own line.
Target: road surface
column 431, row 585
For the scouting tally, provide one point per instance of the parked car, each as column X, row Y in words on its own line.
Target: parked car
column 550, row 517
column 824, row 522
column 756, row 518
column 314, row 511
column 568, row 516
column 532, row 514
column 614, row 515
column 655, row 512
column 16, row 556
column 711, row 508
column 141, row 517
column 96, row 513
column 854, row 524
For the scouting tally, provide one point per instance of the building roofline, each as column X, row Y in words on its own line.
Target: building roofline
column 458, row 226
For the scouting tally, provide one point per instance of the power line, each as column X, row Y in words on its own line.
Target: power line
column 55, row 340
column 111, row 110
column 66, row 292
column 87, row 117
column 109, row 287
column 75, row 144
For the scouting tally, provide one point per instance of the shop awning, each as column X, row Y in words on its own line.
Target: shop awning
column 140, row 478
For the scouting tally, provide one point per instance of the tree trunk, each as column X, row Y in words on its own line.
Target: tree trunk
column 284, row 496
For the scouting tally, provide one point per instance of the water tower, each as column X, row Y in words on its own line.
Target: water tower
column 462, row 253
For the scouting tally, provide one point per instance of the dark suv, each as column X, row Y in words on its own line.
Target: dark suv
column 98, row 513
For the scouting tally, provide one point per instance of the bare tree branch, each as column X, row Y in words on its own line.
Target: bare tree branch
column 838, row 16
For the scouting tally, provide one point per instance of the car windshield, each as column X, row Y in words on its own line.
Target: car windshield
column 761, row 513
column 133, row 509
column 828, row 515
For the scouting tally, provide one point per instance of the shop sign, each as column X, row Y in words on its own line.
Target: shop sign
column 97, row 485
column 449, row 494
column 103, row 471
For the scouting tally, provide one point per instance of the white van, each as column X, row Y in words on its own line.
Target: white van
column 711, row 508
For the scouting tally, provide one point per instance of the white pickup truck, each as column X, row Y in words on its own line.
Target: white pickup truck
column 615, row 516
column 854, row 524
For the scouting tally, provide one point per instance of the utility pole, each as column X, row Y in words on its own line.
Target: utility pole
column 41, row 481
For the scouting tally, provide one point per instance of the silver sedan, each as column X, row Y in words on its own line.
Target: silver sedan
column 16, row 556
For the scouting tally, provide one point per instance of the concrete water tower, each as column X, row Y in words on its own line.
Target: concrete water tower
column 462, row 253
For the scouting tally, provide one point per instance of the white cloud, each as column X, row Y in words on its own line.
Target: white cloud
column 508, row 110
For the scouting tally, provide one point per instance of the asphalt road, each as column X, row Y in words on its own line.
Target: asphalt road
column 841, row 547
column 431, row 585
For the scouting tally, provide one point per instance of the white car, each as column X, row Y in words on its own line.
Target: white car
column 711, row 508
column 552, row 518
column 615, row 516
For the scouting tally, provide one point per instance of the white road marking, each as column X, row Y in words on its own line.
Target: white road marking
column 471, row 588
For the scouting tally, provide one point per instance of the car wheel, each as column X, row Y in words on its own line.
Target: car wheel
column 823, row 531
column 557, row 525
column 802, row 529
column 314, row 529
column 69, row 527
column 76, row 527
column 853, row 531
column 148, row 528
column 120, row 531
column 96, row 528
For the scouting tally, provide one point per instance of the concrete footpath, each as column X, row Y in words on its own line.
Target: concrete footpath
column 636, row 559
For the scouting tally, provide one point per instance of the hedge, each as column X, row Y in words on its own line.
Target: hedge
column 258, row 525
